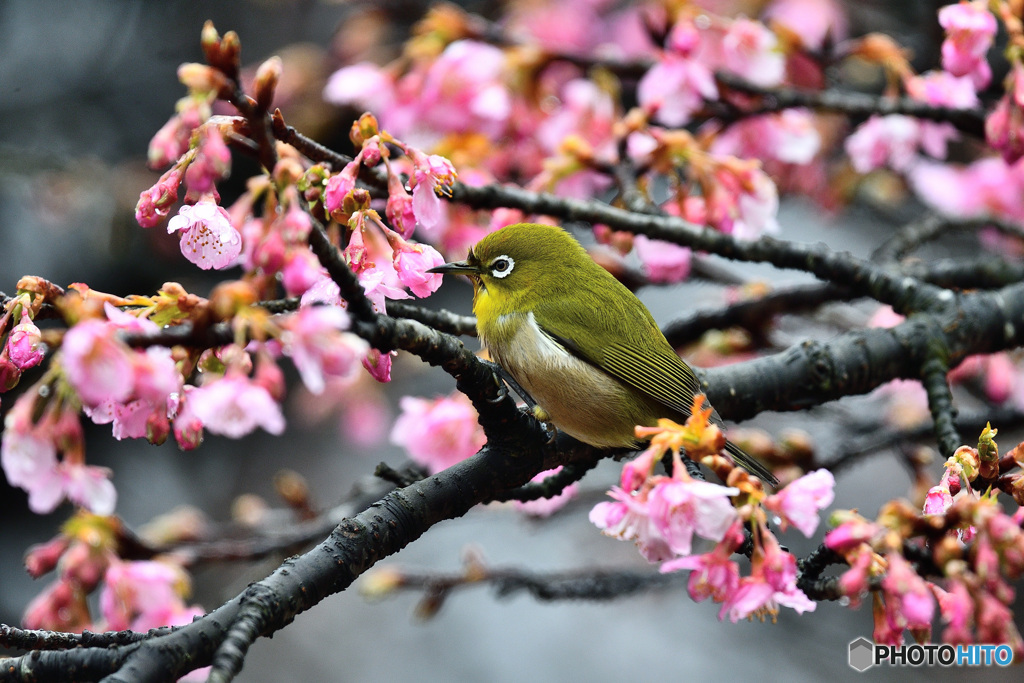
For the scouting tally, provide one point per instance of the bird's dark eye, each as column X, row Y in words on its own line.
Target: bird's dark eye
column 502, row 266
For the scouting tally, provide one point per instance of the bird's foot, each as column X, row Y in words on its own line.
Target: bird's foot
column 504, row 378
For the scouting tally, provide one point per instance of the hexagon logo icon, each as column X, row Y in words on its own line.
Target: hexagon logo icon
column 862, row 654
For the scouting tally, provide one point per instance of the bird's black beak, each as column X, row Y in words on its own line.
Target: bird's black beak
column 456, row 267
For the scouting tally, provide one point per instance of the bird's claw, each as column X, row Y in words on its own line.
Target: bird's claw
column 502, row 391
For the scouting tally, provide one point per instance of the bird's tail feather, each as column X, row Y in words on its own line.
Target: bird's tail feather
column 750, row 463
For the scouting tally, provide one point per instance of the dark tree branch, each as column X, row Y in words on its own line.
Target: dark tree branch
column 940, row 399
column 756, row 313
column 933, row 226
column 551, row 486
column 853, row 104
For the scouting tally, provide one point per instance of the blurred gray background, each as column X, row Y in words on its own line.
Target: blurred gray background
column 83, row 86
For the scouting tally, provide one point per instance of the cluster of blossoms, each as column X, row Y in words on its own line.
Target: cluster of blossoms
column 142, row 392
column 662, row 514
column 466, row 98
column 137, row 595
column 962, row 535
column 265, row 230
column 988, row 186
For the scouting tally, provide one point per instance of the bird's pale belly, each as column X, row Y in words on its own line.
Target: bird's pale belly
column 580, row 399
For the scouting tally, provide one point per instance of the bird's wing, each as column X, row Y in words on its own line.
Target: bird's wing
column 639, row 356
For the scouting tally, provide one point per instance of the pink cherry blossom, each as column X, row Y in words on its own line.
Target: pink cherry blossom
column 316, row 343
column 128, row 419
column 680, row 508
column 790, row 137
column 96, row 363
column 364, row 85
column 438, row 433
column 234, row 406
column 712, row 574
column 942, row 89
column 155, row 376
column 663, row 262
column 545, row 507
column 208, row 239
column 143, row 595
column 399, row 208
column 985, row 187
column 27, row 452
column 432, row 174
column 188, row 428
column 586, row 111
column 86, row 485
column 25, row 346
column 412, row 262
column 854, row 582
column 295, row 225
column 884, row 141
column 1004, row 127
column 60, row 606
column 464, row 90
column 752, row 51
column 851, row 534
column 771, row 583
column 957, row 609
column 675, row 88
column 970, row 30
column 172, row 140
column 812, row 20
column 801, row 500
column 323, row 290
column 937, row 501
column 123, row 320
column 638, row 470
column 28, row 455
column 628, row 517
column 758, row 208
column 908, row 599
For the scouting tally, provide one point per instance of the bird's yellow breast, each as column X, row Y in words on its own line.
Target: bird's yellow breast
column 579, row 398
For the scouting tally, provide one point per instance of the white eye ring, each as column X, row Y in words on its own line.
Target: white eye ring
column 502, row 266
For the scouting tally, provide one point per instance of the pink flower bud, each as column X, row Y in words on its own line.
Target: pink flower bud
column 339, row 185
column 399, row 209
column 301, row 271
column 158, row 427
column 25, row 345
column 212, row 162
column 10, row 375
column 155, row 203
column 269, row 253
column 295, row 225
column 42, row 558
column 378, row 364
column 83, row 565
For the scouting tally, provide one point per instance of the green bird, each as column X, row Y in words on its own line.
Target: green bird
column 584, row 348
